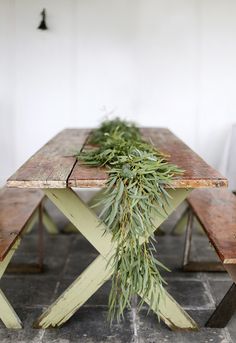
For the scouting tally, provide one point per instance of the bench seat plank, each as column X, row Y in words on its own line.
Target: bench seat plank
column 216, row 211
column 198, row 174
column 16, row 208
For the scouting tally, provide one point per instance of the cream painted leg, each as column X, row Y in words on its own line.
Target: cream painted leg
column 181, row 225
column 171, row 312
column 76, row 295
column 83, row 218
column 49, row 224
column 89, row 200
column 7, row 313
column 70, row 228
column 88, row 224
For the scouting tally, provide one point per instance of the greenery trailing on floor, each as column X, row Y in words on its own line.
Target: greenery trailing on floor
column 138, row 174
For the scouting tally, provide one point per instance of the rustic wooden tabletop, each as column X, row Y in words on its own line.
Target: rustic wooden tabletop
column 55, row 165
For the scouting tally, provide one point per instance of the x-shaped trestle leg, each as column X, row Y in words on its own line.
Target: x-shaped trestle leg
column 98, row 271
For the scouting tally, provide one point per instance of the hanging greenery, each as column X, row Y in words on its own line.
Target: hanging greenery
column 138, row 175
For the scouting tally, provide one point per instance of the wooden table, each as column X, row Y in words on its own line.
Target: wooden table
column 55, row 170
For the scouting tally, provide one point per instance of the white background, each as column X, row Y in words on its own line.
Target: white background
column 160, row 62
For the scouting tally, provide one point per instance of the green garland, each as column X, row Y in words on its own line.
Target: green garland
column 138, row 174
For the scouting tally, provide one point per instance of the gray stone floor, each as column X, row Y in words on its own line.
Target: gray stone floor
column 68, row 254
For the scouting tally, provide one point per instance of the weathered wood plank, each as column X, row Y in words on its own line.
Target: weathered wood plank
column 16, row 208
column 198, row 174
column 51, row 166
column 216, row 211
column 54, row 165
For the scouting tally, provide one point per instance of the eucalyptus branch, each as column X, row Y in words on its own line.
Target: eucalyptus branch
column 138, row 175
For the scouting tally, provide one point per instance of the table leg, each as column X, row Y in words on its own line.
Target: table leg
column 70, row 228
column 94, row 276
column 88, row 224
column 171, row 312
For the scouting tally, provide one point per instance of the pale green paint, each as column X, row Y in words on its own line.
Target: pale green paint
column 49, row 224
column 181, row 225
column 199, row 227
column 7, row 313
column 83, row 218
column 170, row 311
column 177, row 197
column 97, row 273
column 76, row 294
column 70, row 228
column 33, row 220
column 7, row 259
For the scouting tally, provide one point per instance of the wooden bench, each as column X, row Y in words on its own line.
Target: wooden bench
column 215, row 209
column 19, row 210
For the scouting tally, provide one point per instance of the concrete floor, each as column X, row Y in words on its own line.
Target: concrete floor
column 68, row 254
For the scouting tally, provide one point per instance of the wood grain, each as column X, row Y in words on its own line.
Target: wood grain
column 51, row 166
column 54, row 165
column 198, row 174
column 16, row 208
column 216, row 211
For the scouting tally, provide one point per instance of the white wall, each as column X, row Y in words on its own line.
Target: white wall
column 160, row 62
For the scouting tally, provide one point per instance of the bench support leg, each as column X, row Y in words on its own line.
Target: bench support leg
column 32, row 268
column 7, row 313
column 180, row 226
column 188, row 238
column 224, row 311
column 98, row 272
column 227, row 307
column 196, row 266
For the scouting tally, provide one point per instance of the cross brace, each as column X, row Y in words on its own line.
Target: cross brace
column 94, row 276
